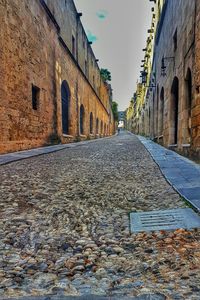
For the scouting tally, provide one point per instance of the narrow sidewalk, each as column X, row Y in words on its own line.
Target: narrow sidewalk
column 182, row 173
column 23, row 154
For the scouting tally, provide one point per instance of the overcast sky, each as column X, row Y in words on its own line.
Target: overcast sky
column 118, row 29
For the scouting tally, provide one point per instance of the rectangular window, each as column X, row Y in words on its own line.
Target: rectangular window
column 175, row 40
column 73, row 46
column 35, row 97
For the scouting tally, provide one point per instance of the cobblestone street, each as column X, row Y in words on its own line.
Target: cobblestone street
column 64, row 225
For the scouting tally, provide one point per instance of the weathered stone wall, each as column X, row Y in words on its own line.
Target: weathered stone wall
column 177, row 42
column 32, row 54
column 196, row 101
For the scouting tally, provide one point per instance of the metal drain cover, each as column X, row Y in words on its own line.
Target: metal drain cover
column 164, row 220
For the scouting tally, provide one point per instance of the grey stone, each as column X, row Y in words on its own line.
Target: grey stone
column 164, row 220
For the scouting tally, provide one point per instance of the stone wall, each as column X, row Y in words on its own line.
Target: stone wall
column 36, row 57
column 170, row 112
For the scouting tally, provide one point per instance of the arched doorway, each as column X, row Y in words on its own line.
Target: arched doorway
column 97, row 126
column 101, row 128
column 91, row 123
column 82, row 117
column 161, row 111
column 65, row 98
column 156, row 112
column 152, row 117
column 188, row 104
column 174, row 110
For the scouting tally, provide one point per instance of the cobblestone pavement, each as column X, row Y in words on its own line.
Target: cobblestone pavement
column 64, row 226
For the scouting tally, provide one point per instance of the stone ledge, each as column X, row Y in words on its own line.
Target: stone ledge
column 67, row 136
column 186, row 145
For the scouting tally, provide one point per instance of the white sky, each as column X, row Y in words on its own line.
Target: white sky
column 120, row 27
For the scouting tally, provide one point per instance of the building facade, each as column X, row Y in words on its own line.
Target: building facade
column 169, row 111
column 51, row 90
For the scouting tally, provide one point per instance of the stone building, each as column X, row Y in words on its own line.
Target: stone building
column 170, row 109
column 51, row 90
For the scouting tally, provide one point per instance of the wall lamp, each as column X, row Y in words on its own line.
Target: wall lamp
column 163, row 65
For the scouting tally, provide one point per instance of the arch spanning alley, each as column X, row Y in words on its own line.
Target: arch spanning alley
column 174, row 109
column 65, row 99
column 82, row 118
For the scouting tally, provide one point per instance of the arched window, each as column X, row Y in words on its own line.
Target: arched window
column 65, row 98
column 174, row 110
column 82, row 118
column 97, row 126
column 161, row 111
column 188, row 106
column 91, row 123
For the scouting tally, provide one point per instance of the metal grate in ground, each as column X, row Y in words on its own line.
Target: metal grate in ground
column 164, row 220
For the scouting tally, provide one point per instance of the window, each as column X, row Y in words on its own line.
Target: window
column 175, row 40
column 73, row 46
column 35, row 97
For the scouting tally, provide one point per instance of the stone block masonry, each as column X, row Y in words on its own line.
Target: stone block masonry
column 51, row 90
column 168, row 110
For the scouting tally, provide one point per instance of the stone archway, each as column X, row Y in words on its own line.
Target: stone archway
column 161, row 110
column 188, row 105
column 82, row 119
column 91, row 123
column 97, row 126
column 65, row 99
column 174, row 107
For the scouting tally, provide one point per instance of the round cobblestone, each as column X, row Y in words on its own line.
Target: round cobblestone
column 64, row 225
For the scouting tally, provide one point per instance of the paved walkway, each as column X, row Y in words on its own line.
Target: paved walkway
column 64, row 226
column 182, row 173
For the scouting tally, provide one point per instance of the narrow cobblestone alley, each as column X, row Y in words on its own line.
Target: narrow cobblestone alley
column 64, row 226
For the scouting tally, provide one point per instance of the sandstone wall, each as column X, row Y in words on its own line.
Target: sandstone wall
column 180, row 21
column 32, row 54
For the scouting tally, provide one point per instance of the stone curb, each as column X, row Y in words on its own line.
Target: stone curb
column 177, row 181
column 24, row 154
